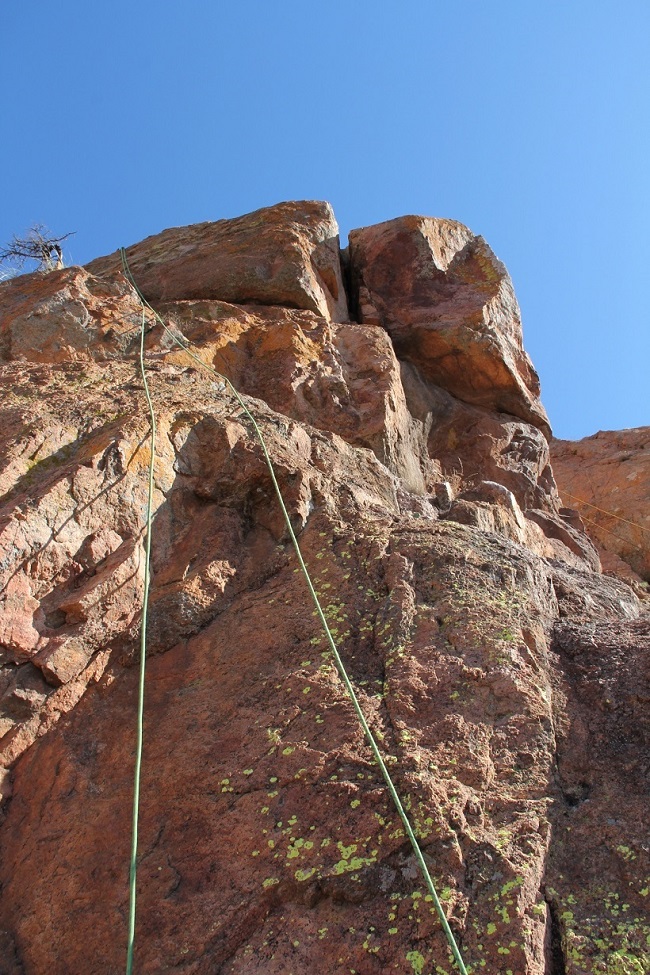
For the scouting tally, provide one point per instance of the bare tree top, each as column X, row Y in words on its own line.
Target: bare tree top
column 38, row 245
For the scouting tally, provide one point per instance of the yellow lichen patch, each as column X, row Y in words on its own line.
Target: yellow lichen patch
column 416, row 961
column 302, row 875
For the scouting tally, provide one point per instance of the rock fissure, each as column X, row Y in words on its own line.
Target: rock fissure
column 504, row 675
column 553, row 948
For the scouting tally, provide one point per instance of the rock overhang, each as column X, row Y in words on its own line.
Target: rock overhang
column 437, row 288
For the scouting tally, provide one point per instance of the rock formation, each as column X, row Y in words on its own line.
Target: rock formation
column 606, row 477
column 504, row 675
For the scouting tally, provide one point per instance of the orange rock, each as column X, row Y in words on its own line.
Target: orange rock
column 450, row 308
column 341, row 377
column 282, row 255
column 65, row 315
column 17, row 606
column 503, row 675
column 606, row 477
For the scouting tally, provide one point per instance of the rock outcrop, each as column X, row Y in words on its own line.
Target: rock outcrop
column 502, row 673
column 449, row 306
column 606, row 478
column 285, row 255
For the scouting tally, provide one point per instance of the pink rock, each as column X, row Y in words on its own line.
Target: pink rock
column 18, row 635
column 286, row 254
column 606, row 477
column 450, row 308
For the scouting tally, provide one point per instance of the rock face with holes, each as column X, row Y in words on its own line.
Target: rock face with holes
column 607, row 477
column 503, row 675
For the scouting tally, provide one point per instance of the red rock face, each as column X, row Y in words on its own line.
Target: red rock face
column 499, row 670
column 283, row 255
column 598, row 903
column 449, row 306
column 607, row 479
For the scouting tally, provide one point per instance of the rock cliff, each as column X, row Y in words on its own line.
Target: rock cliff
column 607, row 478
column 504, row 675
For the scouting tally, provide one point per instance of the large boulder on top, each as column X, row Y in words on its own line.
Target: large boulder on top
column 281, row 255
column 450, row 308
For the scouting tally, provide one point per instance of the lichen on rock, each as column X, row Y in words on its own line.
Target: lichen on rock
column 502, row 673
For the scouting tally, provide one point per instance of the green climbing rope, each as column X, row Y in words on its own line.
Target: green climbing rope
column 133, row 870
column 321, row 615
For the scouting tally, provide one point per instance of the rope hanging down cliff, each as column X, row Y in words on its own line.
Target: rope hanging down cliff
column 321, row 615
column 133, row 867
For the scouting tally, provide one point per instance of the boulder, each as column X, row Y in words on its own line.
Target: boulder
column 450, row 308
column 281, row 255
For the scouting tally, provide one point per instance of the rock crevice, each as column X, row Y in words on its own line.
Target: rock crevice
column 504, row 675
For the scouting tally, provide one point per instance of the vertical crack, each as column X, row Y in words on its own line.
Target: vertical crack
column 350, row 285
column 554, row 963
column 10, row 959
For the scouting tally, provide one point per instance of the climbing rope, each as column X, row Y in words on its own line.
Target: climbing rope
column 133, row 869
column 321, row 615
column 608, row 531
column 604, row 511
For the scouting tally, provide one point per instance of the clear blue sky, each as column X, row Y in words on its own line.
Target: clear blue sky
column 528, row 120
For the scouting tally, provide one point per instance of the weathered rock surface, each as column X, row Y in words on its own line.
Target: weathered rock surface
column 505, row 678
column 65, row 315
column 340, row 377
column 598, row 903
column 448, row 304
column 607, row 479
column 282, row 255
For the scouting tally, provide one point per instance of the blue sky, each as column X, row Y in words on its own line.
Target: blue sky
column 526, row 120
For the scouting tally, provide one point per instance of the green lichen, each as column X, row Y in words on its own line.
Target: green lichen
column 511, row 885
column 302, row 875
column 416, row 961
column 609, row 943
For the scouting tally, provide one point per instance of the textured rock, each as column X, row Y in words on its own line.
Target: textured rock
column 65, row 315
column 341, row 377
column 450, row 308
column 471, row 443
column 504, row 676
column 282, row 255
column 607, row 478
column 598, row 904
column 286, row 783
